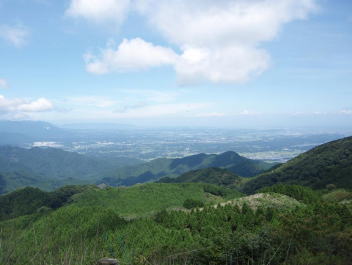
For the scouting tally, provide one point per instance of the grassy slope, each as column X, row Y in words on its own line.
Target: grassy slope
column 329, row 163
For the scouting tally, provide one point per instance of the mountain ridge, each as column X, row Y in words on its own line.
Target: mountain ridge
column 164, row 167
column 329, row 163
column 49, row 168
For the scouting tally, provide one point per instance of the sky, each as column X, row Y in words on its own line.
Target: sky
column 223, row 63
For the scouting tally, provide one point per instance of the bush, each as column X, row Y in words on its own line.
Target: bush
column 190, row 203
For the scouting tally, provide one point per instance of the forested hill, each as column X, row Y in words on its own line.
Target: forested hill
column 49, row 168
column 330, row 163
column 172, row 168
column 213, row 175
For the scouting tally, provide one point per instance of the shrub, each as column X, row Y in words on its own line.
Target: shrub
column 190, row 203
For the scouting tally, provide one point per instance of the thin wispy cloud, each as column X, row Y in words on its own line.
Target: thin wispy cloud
column 3, row 83
column 92, row 101
column 346, row 112
column 16, row 35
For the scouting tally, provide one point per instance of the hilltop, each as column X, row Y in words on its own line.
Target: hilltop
column 213, row 175
column 160, row 168
column 330, row 163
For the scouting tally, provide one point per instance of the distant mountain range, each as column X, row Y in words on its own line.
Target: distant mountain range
column 49, row 168
column 21, row 132
column 330, row 163
column 163, row 167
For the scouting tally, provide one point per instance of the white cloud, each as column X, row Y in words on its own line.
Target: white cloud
column 219, row 41
column 3, row 83
column 100, row 11
column 130, row 55
column 223, row 64
column 208, row 22
column 16, row 35
column 19, row 107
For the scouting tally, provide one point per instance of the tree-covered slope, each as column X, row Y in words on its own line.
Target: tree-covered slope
column 138, row 200
column 330, row 163
column 52, row 162
column 31, row 200
column 144, row 199
column 259, row 229
column 10, row 181
column 213, row 175
column 172, row 168
column 50, row 168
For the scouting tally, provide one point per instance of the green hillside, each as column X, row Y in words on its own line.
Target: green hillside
column 31, row 200
column 50, row 168
column 132, row 201
column 330, row 163
column 149, row 198
column 172, row 168
column 213, row 175
column 146, row 224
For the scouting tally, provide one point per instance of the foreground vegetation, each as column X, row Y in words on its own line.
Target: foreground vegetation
column 298, row 226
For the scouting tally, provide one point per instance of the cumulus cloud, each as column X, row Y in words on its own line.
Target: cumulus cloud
column 18, row 106
column 16, row 35
column 130, row 55
column 218, row 41
column 100, row 11
column 3, row 83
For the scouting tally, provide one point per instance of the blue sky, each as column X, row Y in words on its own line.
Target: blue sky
column 233, row 63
